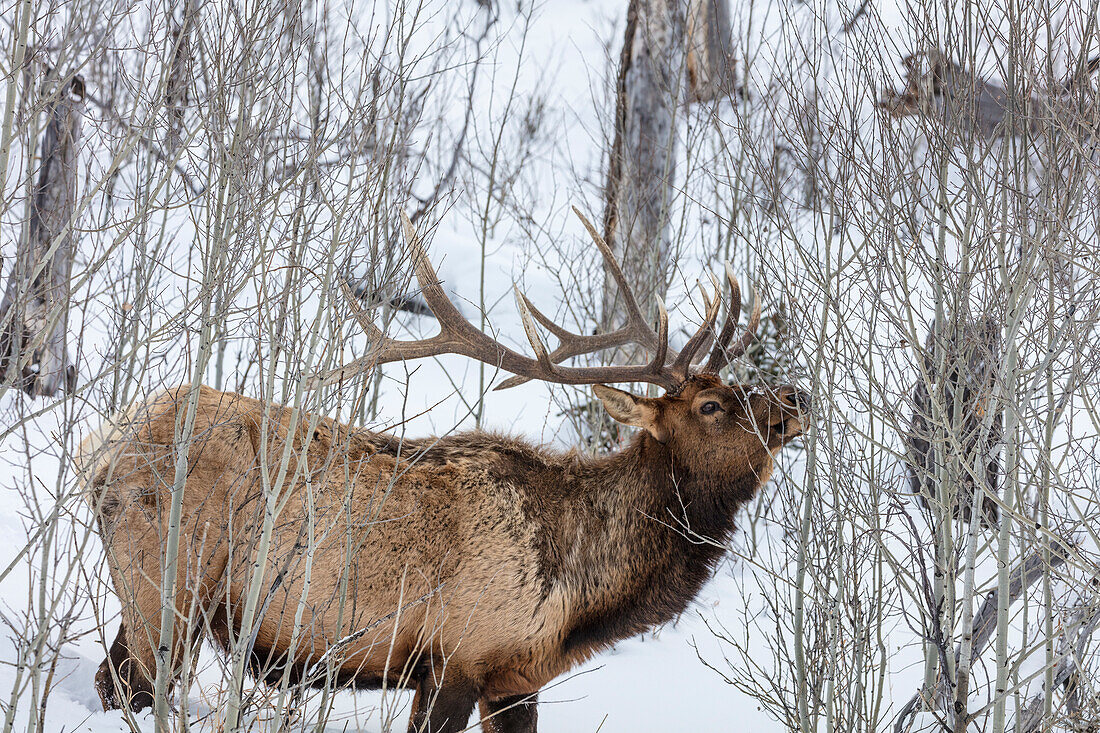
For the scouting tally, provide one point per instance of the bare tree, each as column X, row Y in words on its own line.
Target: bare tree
column 180, row 72
column 673, row 52
column 34, row 311
column 642, row 162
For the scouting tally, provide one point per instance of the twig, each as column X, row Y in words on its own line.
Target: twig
column 851, row 22
column 985, row 620
column 146, row 143
column 427, row 202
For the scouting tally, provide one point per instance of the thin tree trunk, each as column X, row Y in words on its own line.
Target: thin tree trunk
column 985, row 621
column 35, row 307
column 650, row 91
column 710, row 50
column 180, row 77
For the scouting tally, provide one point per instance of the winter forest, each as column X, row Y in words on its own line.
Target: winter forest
column 245, row 485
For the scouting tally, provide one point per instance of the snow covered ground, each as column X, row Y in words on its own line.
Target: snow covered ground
column 656, row 683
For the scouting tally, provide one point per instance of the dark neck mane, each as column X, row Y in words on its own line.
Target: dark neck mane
column 630, row 537
column 649, row 538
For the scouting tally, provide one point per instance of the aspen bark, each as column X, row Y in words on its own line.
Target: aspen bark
column 710, row 51
column 674, row 52
column 643, row 154
column 34, row 310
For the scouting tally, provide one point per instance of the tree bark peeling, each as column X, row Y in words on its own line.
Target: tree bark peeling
column 643, row 155
column 34, row 310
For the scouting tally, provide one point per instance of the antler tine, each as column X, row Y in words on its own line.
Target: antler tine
column 573, row 344
column 658, row 361
column 681, row 368
column 458, row 336
column 373, row 332
column 562, row 333
column 636, row 330
column 704, row 347
column 723, row 353
column 377, row 339
column 750, row 331
column 733, row 314
column 532, row 331
column 442, row 308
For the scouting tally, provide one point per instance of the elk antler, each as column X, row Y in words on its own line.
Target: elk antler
column 724, row 353
column 458, row 336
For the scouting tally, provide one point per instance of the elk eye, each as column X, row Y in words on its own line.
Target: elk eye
column 709, row 407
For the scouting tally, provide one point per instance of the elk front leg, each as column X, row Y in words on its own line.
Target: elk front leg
column 120, row 682
column 517, row 714
column 442, row 709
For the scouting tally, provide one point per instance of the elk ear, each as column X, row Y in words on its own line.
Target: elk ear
column 632, row 410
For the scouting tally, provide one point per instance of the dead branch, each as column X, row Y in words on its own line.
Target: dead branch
column 1076, row 633
column 34, row 310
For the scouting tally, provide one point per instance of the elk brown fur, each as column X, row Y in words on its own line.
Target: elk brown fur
column 474, row 567
column 527, row 560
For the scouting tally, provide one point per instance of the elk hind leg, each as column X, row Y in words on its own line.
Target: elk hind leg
column 135, row 554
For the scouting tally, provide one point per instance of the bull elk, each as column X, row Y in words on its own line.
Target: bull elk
column 474, row 567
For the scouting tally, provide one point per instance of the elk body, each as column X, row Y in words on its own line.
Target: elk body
column 474, row 567
column 962, row 101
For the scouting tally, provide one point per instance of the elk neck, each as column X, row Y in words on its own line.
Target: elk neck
column 643, row 536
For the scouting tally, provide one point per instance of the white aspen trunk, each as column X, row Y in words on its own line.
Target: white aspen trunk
column 958, row 713
column 674, row 52
column 21, row 25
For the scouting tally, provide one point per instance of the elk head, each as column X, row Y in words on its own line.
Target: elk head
column 706, row 423
column 709, row 424
column 924, row 82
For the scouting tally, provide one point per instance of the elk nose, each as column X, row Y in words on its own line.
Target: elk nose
column 797, row 398
column 803, row 400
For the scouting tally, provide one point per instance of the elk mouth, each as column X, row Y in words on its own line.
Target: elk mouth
column 789, row 428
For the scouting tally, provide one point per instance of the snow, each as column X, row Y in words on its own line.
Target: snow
column 672, row 679
column 649, row 684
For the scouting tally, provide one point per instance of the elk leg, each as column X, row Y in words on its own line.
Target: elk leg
column 133, row 689
column 442, row 709
column 518, row 714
